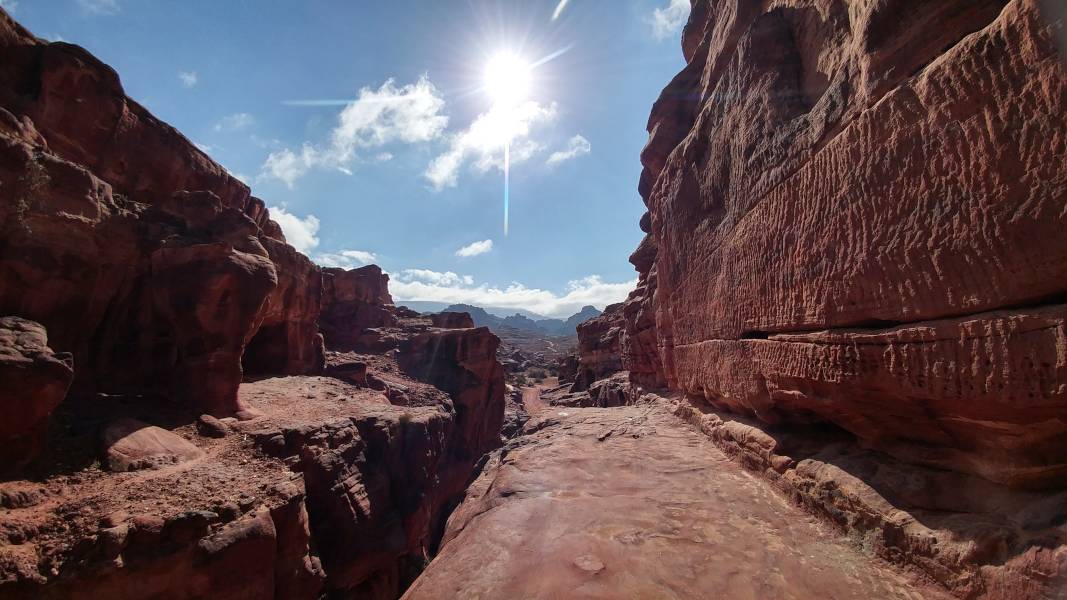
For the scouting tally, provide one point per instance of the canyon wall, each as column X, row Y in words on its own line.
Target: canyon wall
column 600, row 342
column 138, row 274
column 139, row 255
column 855, row 216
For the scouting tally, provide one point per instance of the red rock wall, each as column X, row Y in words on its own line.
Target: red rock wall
column 856, row 215
column 140, row 255
column 352, row 301
column 463, row 363
column 33, row 381
column 600, row 342
column 288, row 341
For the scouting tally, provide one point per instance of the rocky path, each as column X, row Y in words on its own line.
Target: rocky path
column 631, row 503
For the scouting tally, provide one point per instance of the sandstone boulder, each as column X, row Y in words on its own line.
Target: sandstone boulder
column 131, row 445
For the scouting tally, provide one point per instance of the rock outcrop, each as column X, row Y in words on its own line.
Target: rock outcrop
column 288, row 340
column 600, row 343
column 140, row 256
column 856, row 216
column 353, row 301
column 33, row 381
column 462, row 363
column 166, row 282
column 452, row 320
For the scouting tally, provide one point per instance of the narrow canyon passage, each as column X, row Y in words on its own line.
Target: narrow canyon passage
column 629, row 502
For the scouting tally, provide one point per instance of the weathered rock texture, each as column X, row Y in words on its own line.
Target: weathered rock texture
column 353, row 301
column 288, row 340
column 976, row 538
column 379, row 478
column 167, row 281
column 33, row 381
column 462, row 363
column 599, row 347
column 339, row 485
column 856, row 215
column 141, row 256
column 630, row 503
column 132, row 445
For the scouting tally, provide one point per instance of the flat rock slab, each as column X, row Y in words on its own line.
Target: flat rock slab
column 131, row 445
column 630, row 503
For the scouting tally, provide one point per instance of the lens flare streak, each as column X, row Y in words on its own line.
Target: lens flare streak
column 507, row 174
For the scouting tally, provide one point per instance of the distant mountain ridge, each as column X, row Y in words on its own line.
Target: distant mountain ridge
column 429, row 306
column 520, row 321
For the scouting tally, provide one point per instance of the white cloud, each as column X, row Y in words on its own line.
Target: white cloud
column 287, row 166
column 576, row 146
column 475, row 248
column 384, row 157
column 205, row 148
column 485, row 138
column 408, row 114
column 668, row 21
column 99, row 7
column 300, row 233
column 9, row 5
column 235, row 122
column 447, row 278
column 345, row 259
column 421, row 284
column 188, row 78
column 559, row 9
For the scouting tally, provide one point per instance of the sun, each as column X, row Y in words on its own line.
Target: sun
column 507, row 79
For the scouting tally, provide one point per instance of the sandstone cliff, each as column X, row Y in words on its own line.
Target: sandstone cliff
column 853, row 278
column 148, row 281
column 115, row 226
column 600, row 341
column 856, row 216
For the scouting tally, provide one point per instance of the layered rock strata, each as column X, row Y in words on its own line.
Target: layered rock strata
column 140, row 255
column 166, row 282
column 600, row 341
column 856, row 216
column 973, row 537
column 353, row 301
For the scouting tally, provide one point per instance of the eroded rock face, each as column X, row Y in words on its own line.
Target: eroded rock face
column 33, row 381
column 847, row 208
column 288, row 340
column 600, row 342
column 463, row 363
column 141, row 256
column 352, row 301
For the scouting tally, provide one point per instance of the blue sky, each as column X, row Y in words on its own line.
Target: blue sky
column 367, row 126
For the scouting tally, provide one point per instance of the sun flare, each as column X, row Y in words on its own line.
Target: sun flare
column 507, row 79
